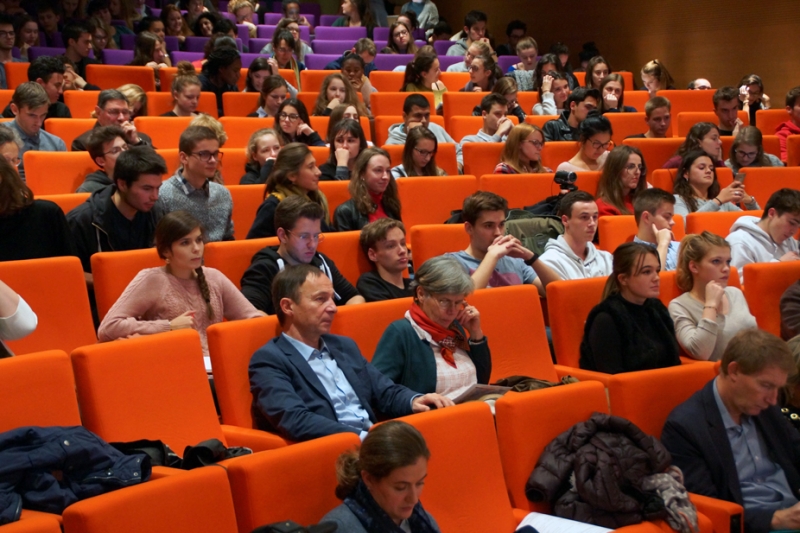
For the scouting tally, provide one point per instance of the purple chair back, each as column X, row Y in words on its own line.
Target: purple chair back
column 117, row 57
column 328, row 20
column 419, row 33
column 127, row 41
column 446, row 61
column 332, row 47
column 257, row 44
column 222, row 5
column 330, row 33
column 318, row 61
column 243, row 33
column 266, row 32
column 390, row 61
column 380, row 35
column 505, row 62
column 249, row 58
column 196, row 44
column 173, row 44
column 305, row 7
column 442, row 47
column 272, row 19
column 420, row 43
column 186, row 56
column 37, row 51
column 229, row 16
column 15, row 52
column 156, row 12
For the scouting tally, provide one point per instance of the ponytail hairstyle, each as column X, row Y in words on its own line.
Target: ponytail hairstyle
column 656, row 69
column 387, row 447
column 494, row 69
column 270, row 84
column 683, row 188
column 358, row 185
column 422, row 62
column 412, row 139
column 173, row 227
column 347, row 125
column 693, row 249
column 185, row 77
column 350, row 98
column 289, row 160
column 628, row 261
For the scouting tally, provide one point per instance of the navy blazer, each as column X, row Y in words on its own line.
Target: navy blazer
column 695, row 436
column 289, row 398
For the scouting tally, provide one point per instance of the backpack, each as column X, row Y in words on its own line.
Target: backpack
column 532, row 230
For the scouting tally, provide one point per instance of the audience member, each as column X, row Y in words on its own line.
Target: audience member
column 221, row 72
column 630, row 329
column 274, row 90
column 653, row 210
column 373, row 193
column 297, row 223
column 483, row 74
column 726, row 107
column 422, row 75
column 291, row 11
column 257, row 72
column 515, row 30
column 47, row 71
column 700, row 84
column 426, row 12
column 10, row 146
column 709, row 312
column 658, row 117
column 791, row 126
column 186, row 88
column 384, row 243
column 507, row 88
column 6, row 46
column 553, row 94
column 298, row 47
column 73, row 82
column 174, row 23
column 295, row 173
column 612, row 89
column 697, row 189
column 475, row 23
column 523, row 72
column 496, row 126
column 561, row 51
column 747, row 151
column 30, row 104
column 292, row 124
column 622, row 179
column 113, row 109
column 123, row 216
column 137, row 99
column 203, row 25
column 588, row 52
column 578, row 104
column 702, row 136
column 262, row 150
column 596, row 71
column 357, row 14
column 656, row 77
column 27, row 31
column 522, row 151
column 182, row 294
column 594, row 140
column 340, row 113
column 731, row 441
column 17, row 319
column 336, row 89
column 106, row 143
column 49, row 21
column 751, row 94
column 572, row 255
column 417, row 112
column 419, row 155
column 243, row 10
column 551, row 62
column 347, row 140
column 77, row 38
column 150, row 52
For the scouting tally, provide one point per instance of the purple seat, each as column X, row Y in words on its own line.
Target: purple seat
column 156, row 12
column 419, row 33
column 446, row 61
column 37, row 51
column 328, row 20
column 243, row 33
column 381, row 36
column 442, row 47
column 186, row 56
column 420, row 43
column 15, row 52
column 318, row 61
column 332, row 47
column 390, row 61
column 257, row 44
column 229, row 16
column 330, row 33
column 173, row 44
column 222, row 5
column 117, row 57
column 249, row 58
column 266, row 32
column 127, row 41
column 272, row 19
column 196, row 44
column 506, row 61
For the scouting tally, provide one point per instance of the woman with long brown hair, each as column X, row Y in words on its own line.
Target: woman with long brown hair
column 401, row 40
column 419, row 155
column 373, row 192
column 622, row 178
column 522, row 151
column 336, row 89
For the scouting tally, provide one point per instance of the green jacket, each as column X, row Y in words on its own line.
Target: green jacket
column 408, row 360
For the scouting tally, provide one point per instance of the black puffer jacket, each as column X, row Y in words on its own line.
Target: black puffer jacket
column 609, row 456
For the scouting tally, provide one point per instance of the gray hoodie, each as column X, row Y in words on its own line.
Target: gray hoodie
column 483, row 137
column 751, row 244
column 397, row 135
column 560, row 257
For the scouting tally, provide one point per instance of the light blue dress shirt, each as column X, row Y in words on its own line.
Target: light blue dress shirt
column 42, row 141
column 349, row 410
column 672, row 253
column 763, row 482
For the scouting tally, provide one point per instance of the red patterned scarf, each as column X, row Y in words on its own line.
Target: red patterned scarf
column 448, row 339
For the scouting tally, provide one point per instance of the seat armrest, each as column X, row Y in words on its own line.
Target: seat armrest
column 255, row 439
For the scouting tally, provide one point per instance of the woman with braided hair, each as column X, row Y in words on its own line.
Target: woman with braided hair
column 181, row 294
column 222, row 70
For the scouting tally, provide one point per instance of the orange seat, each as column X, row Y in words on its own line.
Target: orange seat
column 615, row 230
column 540, row 120
column 432, row 240
column 457, row 103
column 65, row 321
column 240, row 104
column 34, row 524
column 67, row 202
column 16, row 73
column 72, row 169
column 5, row 97
column 688, row 101
column 159, row 103
column 387, row 82
column 68, row 129
column 626, row 124
column 528, row 189
column 687, row 119
column 309, row 99
column 556, row 152
column 766, row 283
column 768, row 120
column 166, row 75
column 113, row 76
column 172, row 159
column 336, row 192
column 568, row 304
column 311, row 80
column 231, row 345
column 81, row 104
column 113, row 271
column 246, row 201
column 239, row 129
column 457, row 437
column 445, row 156
column 580, row 77
column 481, row 158
column 320, row 125
column 38, row 390
column 232, row 258
column 454, row 80
column 718, row 223
column 656, row 152
column 772, row 145
column 321, row 154
column 306, row 468
column 344, row 250
column 460, row 126
column 383, row 122
column 351, row 319
column 430, row 200
column 664, row 178
column 164, row 131
column 128, row 390
column 526, row 100
column 232, row 165
column 193, row 502
column 793, row 150
column 669, row 289
column 636, row 98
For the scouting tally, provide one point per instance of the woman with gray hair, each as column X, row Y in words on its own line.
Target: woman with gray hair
column 428, row 350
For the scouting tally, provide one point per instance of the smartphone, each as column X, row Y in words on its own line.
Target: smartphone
column 740, row 176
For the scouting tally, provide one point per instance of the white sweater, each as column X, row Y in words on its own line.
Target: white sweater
column 751, row 244
column 560, row 257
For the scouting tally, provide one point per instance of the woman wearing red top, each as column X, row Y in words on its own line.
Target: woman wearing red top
column 623, row 176
column 373, row 192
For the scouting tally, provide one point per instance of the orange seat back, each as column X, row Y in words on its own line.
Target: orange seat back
column 481, row 158
column 656, row 152
column 148, row 387
column 16, row 73
column 454, row 80
column 67, row 202
column 527, row 189
column 231, row 345
column 432, row 240
column 568, row 304
column 164, row 131
column 457, row 103
column 193, row 502
column 239, row 129
column 615, row 230
column 387, row 82
column 463, row 447
column 383, row 122
column 306, row 468
column 233, row 258
column 646, row 398
column 5, row 97
column 669, row 289
column 343, row 249
column 159, row 103
column 68, row 129
column 768, row 120
column 321, row 124
column 445, row 156
column 311, row 80
column 540, row 120
column 81, row 104
column 173, row 160
column 430, row 200
column 793, row 150
column 527, row 422
column 336, row 192
column 766, row 283
column 246, row 201
column 232, row 166
column 718, row 223
column 72, row 168
column 38, row 390
column 687, row 119
column 240, row 105
column 113, row 271
column 626, row 124
column 688, row 100
column 772, row 145
column 114, row 76
column 664, row 178
column 556, row 152
column 635, row 98
column 527, row 99
column 55, row 288
column 166, row 75
column 459, row 126
column 309, row 99
column 350, row 321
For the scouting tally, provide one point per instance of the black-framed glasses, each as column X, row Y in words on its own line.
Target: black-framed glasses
column 748, row 155
column 117, row 150
column 285, row 116
column 597, row 145
column 4, row 34
column 537, row 144
column 205, row 156
column 425, row 153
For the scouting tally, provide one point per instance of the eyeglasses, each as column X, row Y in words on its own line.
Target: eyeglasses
column 6, row 34
column 401, row 33
column 96, row 37
column 597, row 145
column 284, row 50
column 292, row 117
column 205, row 156
column 425, row 153
column 537, row 144
column 117, row 150
column 446, row 304
column 748, row 155
column 118, row 112
column 632, row 168
column 308, row 237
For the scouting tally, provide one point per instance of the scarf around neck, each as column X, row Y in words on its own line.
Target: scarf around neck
column 374, row 518
column 448, row 339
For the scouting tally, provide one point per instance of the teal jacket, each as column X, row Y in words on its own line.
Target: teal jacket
column 408, row 360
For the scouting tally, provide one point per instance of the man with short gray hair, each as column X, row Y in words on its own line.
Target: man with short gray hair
column 113, row 110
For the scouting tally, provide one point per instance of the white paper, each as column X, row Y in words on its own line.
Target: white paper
column 545, row 523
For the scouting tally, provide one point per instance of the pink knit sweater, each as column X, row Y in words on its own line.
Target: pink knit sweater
column 155, row 297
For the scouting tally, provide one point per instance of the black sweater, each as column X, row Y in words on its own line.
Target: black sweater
column 35, row 232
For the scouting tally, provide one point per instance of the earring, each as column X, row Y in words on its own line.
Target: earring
column 167, row 261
